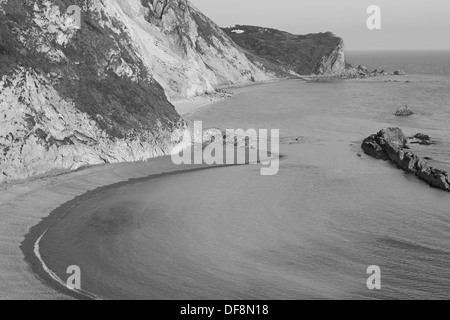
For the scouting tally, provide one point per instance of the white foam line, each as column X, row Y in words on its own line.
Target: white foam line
column 53, row 274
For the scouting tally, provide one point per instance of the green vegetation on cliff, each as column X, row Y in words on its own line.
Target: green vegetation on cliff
column 302, row 54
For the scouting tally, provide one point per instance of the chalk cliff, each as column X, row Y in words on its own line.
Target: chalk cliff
column 186, row 51
column 334, row 62
column 96, row 87
column 97, row 90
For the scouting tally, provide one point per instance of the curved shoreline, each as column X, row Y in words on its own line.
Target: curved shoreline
column 25, row 204
column 53, row 274
column 30, row 245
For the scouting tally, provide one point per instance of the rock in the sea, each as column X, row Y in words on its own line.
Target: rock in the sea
column 363, row 68
column 404, row 111
column 220, row 136
column 422, row 136
column 387, row 140
column 422, row 139
column 399, row 73
column 390, row 144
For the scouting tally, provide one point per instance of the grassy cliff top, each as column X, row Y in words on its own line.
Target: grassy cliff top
column 300, row 53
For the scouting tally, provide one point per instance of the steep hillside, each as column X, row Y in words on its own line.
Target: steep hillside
column 187, row 52
column 76, row 95
column 71, row 97
column 320, row 53
column 97, row 89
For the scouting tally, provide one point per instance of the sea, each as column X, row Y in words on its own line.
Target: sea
column 309, row 232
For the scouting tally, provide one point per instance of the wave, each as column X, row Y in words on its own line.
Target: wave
column 53, row 275
column 411, row 246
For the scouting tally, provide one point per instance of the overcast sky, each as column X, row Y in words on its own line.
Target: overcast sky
column 406, row 24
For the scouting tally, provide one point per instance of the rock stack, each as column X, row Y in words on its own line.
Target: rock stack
column 404, row 111
column 391, row 144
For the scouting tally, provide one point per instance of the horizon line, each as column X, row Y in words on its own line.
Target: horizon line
column 396, row 49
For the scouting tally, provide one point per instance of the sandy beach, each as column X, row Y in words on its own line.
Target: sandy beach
column 24, row 204
column 193, row 104
column 315, row 191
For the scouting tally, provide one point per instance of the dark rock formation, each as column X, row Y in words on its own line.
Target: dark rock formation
column 399, row 73
column 404, row 111
column 422, row 139
column 363, row 69
column 391, row 144
column 385, row 143
column 422, row 136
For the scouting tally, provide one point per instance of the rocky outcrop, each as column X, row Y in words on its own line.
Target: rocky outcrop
column 422, row 139
column 391, row 144
column 361, row 72
column 404, row 111
column 221, row 136
column 334, row 63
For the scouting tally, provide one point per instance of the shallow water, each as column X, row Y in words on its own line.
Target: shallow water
column 309, row 232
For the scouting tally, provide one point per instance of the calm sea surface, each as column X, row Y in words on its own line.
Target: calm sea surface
column 309, row 232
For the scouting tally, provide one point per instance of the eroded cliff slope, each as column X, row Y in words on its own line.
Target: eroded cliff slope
column 74, row 96
column 186, row 51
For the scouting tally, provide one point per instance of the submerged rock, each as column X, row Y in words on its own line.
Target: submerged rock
column 422, row 139
column 217, row 135
column 422, row 136
column 390, row 144
column 404, row 111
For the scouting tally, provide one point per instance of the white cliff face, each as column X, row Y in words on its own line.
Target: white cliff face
column 187, row 53
column 40, row 131
column 334, row 64
column 74, row 96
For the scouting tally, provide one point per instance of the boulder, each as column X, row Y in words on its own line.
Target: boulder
column 385, row 141
column 363, row 69
column 404, row 111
